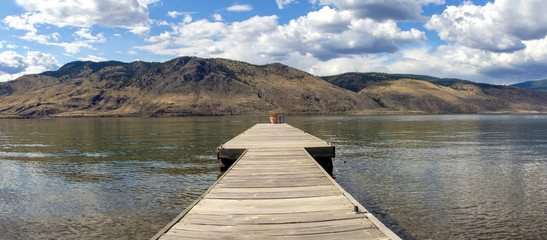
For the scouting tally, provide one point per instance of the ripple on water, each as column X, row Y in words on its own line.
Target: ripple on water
column 436, row 177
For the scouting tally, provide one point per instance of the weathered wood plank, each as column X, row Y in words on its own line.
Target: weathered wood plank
column 249, row 172
column 275, row 190
column 267, row 177
column 279, row 183
column 274, row 193
column 273, row 206
column 257, row 181
column 306, row 228
column 271, row 195
column 278, row 189
column 362, row 234
column 279, row 218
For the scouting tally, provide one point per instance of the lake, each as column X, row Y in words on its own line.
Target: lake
column 425, row 177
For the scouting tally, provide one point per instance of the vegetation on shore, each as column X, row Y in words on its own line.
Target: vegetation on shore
column 194, row 86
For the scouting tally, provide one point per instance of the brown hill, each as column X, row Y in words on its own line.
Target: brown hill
column 196, row 86
column 425, row 94
column 182, row 86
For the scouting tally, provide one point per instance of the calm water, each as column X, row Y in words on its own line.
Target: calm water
column 426, row 177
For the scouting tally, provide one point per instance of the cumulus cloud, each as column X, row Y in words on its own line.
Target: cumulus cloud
column 25, row 21
column 501, row 26
column 85, row 34
column 187, row 18
column 13, row 65
column 240, row 8
column 11, row 62
column 451, row 61
column 174, row 14
column 128, row 14
column 455, row 60
column 39, row 62
column 217, row 17
column 524, row 19
column 148, row 2
column 93, row 58
column 84, row 39
column 324, row 34
column 360, row 63
column 527, row 64
column 282, row 3
column 399, row 10
column 328, row 34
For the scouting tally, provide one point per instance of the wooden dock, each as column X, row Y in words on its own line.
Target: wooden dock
column 275, row 190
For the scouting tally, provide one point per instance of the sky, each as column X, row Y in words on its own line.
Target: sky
column 498, row 42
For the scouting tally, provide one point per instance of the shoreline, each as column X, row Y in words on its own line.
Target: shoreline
column 362, row 113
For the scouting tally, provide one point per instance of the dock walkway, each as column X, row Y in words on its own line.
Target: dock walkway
column 275, row 190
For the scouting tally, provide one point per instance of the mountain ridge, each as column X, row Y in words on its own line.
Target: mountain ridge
column 539, row 85
column 196, row 86
column 405, row 92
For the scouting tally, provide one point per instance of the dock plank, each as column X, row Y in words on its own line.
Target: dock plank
column 279, row 218
column 275, row 190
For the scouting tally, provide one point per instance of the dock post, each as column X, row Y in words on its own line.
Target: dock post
column 227, row 157
column 323, row 156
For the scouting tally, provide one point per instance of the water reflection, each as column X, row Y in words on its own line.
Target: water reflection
column 433, row 177
column 445, row 176
column 104, row 178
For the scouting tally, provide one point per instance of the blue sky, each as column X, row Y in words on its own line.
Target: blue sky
column 500, row 42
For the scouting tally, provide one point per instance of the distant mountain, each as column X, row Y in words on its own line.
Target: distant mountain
column 357, row 81
column 195, row 86
column 420, row 93
column 540, row 85
column 182, row 86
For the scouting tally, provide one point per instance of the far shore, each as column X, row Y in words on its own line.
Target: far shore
column 362, row 113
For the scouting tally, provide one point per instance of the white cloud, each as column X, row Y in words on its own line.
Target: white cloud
column 40, row 62
column 445, row 61
column 10, row 46
column 174, row 14
column 282, row 3
column 93, row 58
column 11, row 62
column 328, row 34
column 85, row 34
column 84, row 39
column 524, row 19
column 322, row 41
column 24, row 22
column 73, row 47
column 140, row 29
column 364, row 63
column 455, row 60
column 328, row 20
column 14, row 65
column 501, row 26
column 42, row 39
column 217, row 17
column 187, row 19
column 400, row 10
column 436, row 2
column 148, row 2
column 240, row 8
column 130, row 14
